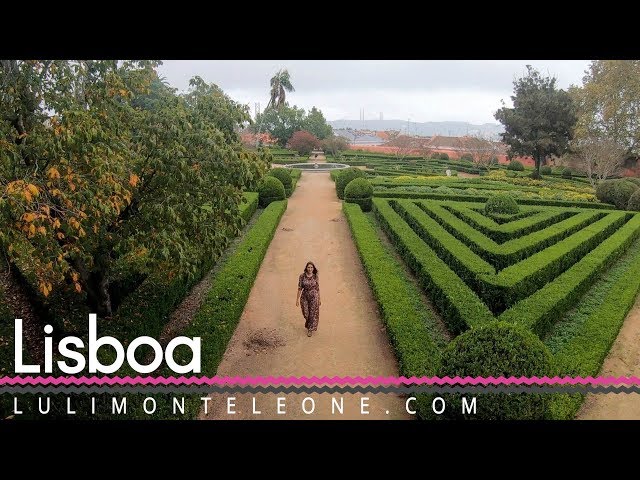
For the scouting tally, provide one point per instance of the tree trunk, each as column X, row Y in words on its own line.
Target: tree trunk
column 96, row 284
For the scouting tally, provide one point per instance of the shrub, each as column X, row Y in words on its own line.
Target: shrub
column 303, row 142
column 467, row 157
column 284, row 175
column 270, row 190
column 535, row 175
column 344, row 178
column 502, row 203
column 617, row 192
column 634, row 180
column 498, row 349
column 605, row 191
column 634, row 201
column 443, row 156
column 494, row 161
column 516, row 166
column 566, row 173
column 359, row 191
column 546, row 170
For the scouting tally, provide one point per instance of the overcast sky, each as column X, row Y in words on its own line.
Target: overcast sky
column 417, row 90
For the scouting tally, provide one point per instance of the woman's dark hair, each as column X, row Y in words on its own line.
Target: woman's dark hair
column 315, row 270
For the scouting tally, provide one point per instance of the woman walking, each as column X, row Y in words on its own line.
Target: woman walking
column 309, row 297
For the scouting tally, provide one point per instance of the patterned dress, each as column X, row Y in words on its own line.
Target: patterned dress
column 309, row 301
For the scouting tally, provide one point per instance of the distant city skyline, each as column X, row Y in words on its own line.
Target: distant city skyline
column 410, row 90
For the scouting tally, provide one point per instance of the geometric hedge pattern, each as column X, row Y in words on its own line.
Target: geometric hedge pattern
column 528, row 268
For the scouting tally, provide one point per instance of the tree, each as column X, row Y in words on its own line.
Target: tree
column 608, row 103
column 280, row 84
column 601, row 158
column 280, row 122
column 316, row 124
column 403, row 144
column 303, row 142
column 335, row 144
column 102, row 165
column 542, row 118
column 482, row 148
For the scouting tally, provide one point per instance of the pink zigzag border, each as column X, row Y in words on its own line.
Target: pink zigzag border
column 270, row 380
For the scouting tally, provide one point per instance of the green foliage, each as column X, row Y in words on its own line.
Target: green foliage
column 467, row 157
column 634, row 180
column 413, row 329
column 359, row 191
column 317, row 125
column 443, row 156
column 220, row 312
column 280, row 122
column 501, row 204
column 634, row 201
column 270, row 190
column 608, row 103
column 334, row 144
column 541, row 120
column 566, row 173
column 284, row 175
column 248, row 206
column 303, row 142
column 498, row 349
column 581, row 341
column 540, row 310
column 127, row 172
column 546, row 170
column 344, row 177
column 515, row 165
column 617, row 192
column 459, row 305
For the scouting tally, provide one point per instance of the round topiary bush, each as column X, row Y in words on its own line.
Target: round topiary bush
column 494, row 350
column 617, row 192
column 359, row 191
column 467, row 157
column 515, row 165
column 344, row 178
column 284, row 175
column 566, row 173
column 443, row 156
column 634, row 180
column 501, row 203
column 545, row 170
column 270, row 190
column 604, row 191
column 634, row 201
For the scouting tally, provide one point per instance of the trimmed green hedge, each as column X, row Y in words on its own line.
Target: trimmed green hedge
column 582, row 341
column 359, row 191
column 540, row 310
column 456, row 254
column 516, row 166
column 345, row 177
column 483, row 198
column 517, row 228
column 284, row 175
column 248, row 206
column 517, row 281
column 411, row 327
column 270, row 190
column 508, row 253
column 296, row 173
column 498, row 349
column 220, row 312
column 501, row 203
column 460, row 306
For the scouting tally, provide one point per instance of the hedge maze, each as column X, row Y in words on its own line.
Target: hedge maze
column 534, row 268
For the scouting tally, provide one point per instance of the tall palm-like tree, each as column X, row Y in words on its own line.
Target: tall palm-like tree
column 280, row 84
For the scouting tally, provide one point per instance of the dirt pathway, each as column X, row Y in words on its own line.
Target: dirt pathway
column 271, row 339
column 623, row 360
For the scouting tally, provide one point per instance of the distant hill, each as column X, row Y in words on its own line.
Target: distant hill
column 427, row 129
